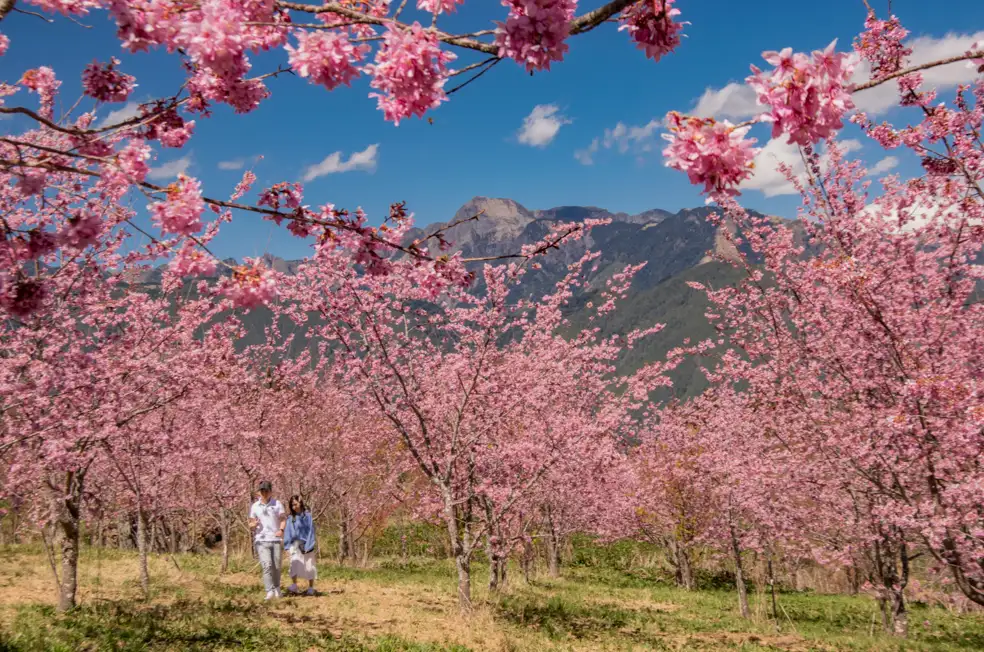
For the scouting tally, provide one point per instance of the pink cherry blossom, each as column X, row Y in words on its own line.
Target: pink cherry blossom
column 715, row 154
column 4, row 44
column 181, row 212
column 652, row 26
column 326, row 58
column 22, row 297
column 410, row 72
column 535, row 31
column 105, row 83
column 251, row 284
column 191, row 260
column 82, row 229
column 43, row 82
column 880, row 44
column 439, row 6
column 807, row 97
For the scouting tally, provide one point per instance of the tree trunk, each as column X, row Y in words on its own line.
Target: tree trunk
column 224, row 529
column 460, row 539
column 346, row 549
column 173, row 531
column 66, row 505
column 772, row 590
column 142, row 551
column 683, row 570
column 493, row 569
column 739, row 576
column 553, row 547
column 894, row 578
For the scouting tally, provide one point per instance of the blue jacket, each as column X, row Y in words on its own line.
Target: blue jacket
column 300, row 528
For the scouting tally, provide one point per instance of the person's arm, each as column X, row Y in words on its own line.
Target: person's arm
column 310, row 540
column 252, row 519
column 283, row 520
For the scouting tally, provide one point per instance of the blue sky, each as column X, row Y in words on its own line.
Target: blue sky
column 474, row 146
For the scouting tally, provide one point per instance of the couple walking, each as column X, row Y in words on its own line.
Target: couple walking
column 277, row 529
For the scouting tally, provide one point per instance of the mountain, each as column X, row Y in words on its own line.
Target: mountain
column 676, row 247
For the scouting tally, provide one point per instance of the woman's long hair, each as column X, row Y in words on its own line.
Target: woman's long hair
column 301, row 506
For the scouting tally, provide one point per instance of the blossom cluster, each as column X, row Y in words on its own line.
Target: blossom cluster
column 106, row 84
column 715, row 154
column 807, row 96
column 410, row 72
column 535, row 31
column 250, row 285
column 326, row 58
column 439, row 6
column 181, row 212
column 652, row 26
column 880, row 44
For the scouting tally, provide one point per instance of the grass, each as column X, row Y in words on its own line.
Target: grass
column 411, row 607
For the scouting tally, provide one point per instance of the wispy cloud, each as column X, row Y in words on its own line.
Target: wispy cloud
column 623, row 138
column 885, row 165
column 235, row 164
column 171, row 169
column 333, row 163
column 540, row 127
column 127, row 111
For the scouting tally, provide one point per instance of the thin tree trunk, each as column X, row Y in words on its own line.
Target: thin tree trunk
column 224, row 530
column 142, row 551
column 66, row 503
column 173, row 531
column 553, row 547
column 772, row 589
column 739, row 576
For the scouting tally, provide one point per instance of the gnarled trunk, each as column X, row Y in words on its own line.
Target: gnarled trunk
column 891, row 566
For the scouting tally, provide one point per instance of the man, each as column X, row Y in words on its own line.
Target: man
column 267, row 517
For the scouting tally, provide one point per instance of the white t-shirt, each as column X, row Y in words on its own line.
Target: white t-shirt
column 268, row 514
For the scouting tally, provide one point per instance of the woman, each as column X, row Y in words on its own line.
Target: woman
column 299, row 539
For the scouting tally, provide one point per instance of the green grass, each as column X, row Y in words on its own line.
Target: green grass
column 601, row 603
column 214, row 624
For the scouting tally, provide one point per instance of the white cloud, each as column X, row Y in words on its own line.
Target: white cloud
column 766, row 177
column 924, row 50
column 735, row 102
column 235, row 164
column 586, row 156
column 333, row 163
column 884, row 165
column 170, row 169
column 623, row 137
column 770, row 181
column 127, row 111
column 540, row 127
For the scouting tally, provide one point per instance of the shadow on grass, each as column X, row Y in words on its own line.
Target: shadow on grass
column 560, row 618
column 215, row 624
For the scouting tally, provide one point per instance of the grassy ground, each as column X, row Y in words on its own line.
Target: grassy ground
column 412, row 608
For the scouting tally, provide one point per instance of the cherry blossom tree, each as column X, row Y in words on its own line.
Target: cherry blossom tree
column 863, row 349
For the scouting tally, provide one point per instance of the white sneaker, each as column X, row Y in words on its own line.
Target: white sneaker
column 292, row 589
column 277, row 593
column 270, row 595
column 310, row 591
